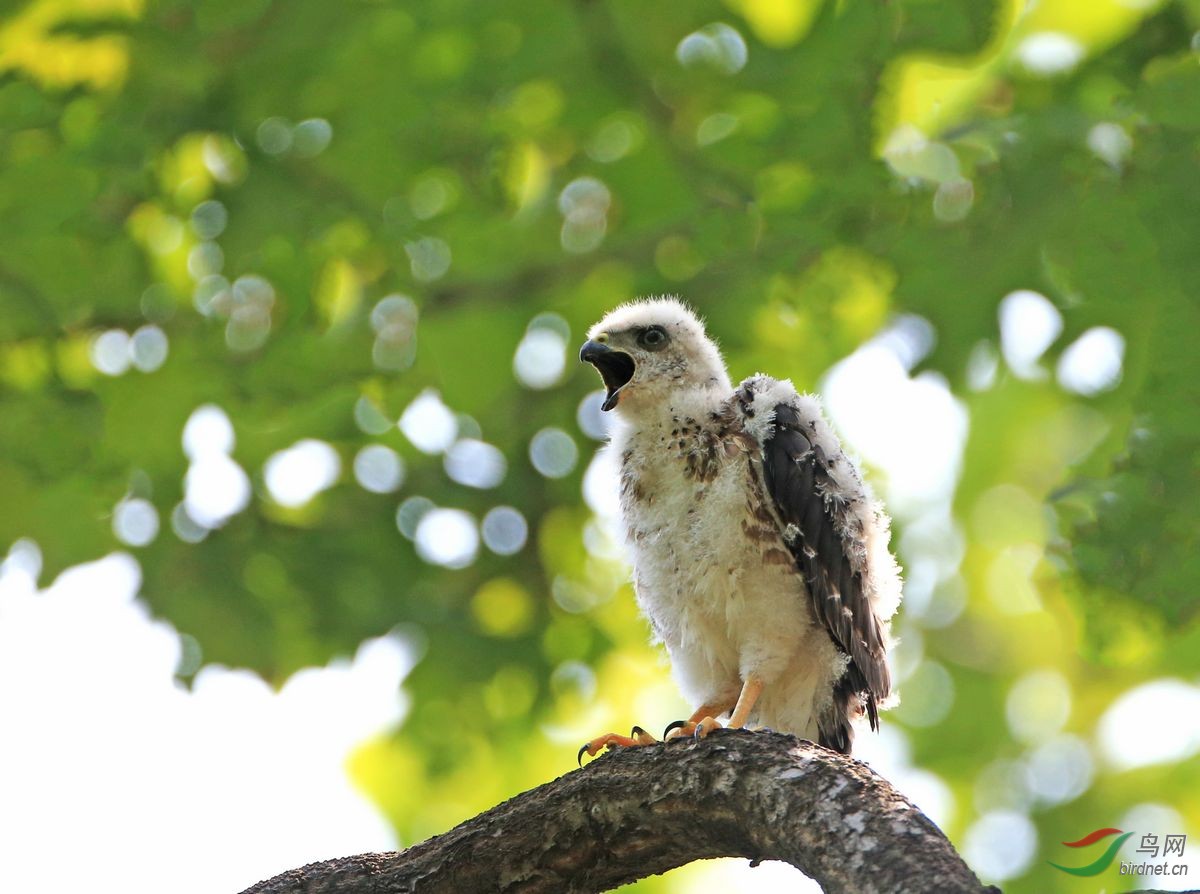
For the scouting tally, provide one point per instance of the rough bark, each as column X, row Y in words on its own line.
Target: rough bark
column 641, row 811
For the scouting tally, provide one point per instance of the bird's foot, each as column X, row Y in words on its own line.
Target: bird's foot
column 695, row 728
column 637, row 736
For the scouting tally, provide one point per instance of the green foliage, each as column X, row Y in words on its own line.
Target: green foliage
column 760, row 194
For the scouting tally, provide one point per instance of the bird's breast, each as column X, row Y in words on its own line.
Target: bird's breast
column 695, row 519
column 712, row 572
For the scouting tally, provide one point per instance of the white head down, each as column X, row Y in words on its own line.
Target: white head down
column 654, row 351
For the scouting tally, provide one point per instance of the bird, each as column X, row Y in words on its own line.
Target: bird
column 760, row 557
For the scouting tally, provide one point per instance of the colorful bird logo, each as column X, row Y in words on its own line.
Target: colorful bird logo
column 1102, row 862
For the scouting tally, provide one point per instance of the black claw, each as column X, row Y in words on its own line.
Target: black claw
column 579, row 757
column 636, row 731
column 678, row 724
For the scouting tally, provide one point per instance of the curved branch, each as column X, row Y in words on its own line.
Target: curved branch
column 641, row 811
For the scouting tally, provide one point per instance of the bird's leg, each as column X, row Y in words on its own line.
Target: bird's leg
column 751, row 690
column 688, row 727
column 637, row 736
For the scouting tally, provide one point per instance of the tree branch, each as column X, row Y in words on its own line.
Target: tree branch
column 642, row 811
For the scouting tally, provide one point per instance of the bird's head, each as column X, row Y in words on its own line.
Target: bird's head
column 652, row 349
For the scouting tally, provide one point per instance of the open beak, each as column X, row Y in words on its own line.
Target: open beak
column 615, row 368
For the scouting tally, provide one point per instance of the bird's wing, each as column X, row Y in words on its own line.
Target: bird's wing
column 828, row 518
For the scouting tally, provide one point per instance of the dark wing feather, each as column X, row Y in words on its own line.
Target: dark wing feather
column 796, row 474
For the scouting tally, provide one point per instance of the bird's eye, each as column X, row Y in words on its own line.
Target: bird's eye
column 653, row 338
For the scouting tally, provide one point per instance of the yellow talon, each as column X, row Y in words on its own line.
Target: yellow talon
column 637, row 737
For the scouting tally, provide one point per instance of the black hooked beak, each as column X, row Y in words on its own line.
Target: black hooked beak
column 615, row 367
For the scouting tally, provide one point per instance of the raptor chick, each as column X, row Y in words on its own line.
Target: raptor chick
column 759, row 555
